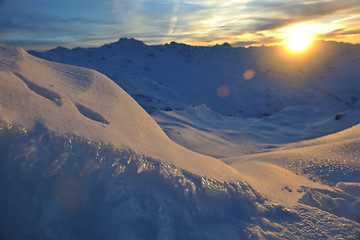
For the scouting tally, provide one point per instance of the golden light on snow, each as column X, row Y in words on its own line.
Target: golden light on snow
column 223, row 91
column 249, row 74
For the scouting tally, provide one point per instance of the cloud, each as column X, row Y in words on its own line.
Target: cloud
column 243, row 43
column 303, row 8
column 212, row 20
column 341, row 32
column 321, row 9
column 174, row 17
column 159, row 21
column 275, row 15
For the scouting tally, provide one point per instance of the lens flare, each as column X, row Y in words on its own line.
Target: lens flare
column 223, row 91
column 249, row 74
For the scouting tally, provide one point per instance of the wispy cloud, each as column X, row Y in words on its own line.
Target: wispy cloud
column 174, row 17
column 278, row 15
column 158, row 21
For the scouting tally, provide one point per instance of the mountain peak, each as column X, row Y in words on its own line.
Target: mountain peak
column 130, row 42
column 224, row 45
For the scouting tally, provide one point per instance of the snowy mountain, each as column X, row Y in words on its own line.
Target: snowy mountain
column 80, row 159
column 256, row 87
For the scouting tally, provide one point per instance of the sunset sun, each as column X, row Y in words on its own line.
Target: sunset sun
column 298, row 38
column 298, row 42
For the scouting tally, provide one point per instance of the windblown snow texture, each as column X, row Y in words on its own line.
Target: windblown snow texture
column 65, row 187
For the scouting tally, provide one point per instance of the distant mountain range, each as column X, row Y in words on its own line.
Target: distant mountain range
column 255, row 82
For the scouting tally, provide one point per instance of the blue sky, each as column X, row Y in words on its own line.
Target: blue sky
column 44, row 24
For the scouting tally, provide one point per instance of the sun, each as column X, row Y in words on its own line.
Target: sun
column 298, row 42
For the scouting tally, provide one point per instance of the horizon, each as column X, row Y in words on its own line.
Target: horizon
column 45, row 25
column 176, row 42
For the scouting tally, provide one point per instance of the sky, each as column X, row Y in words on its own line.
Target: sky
column 45, row 24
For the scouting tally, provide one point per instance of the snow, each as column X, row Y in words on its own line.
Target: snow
column 287, row 100
column 72, row 100
column 65, row 187
column 81, row 159
column 349, row 188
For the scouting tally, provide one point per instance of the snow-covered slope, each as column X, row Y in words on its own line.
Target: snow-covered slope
column 332, row 159
column 80, row 159
column 82, row 102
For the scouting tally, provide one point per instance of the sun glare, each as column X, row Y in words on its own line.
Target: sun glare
column 298, row 38
column 298, row 42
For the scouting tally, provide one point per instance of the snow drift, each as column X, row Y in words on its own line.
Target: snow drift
column 85, row 103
